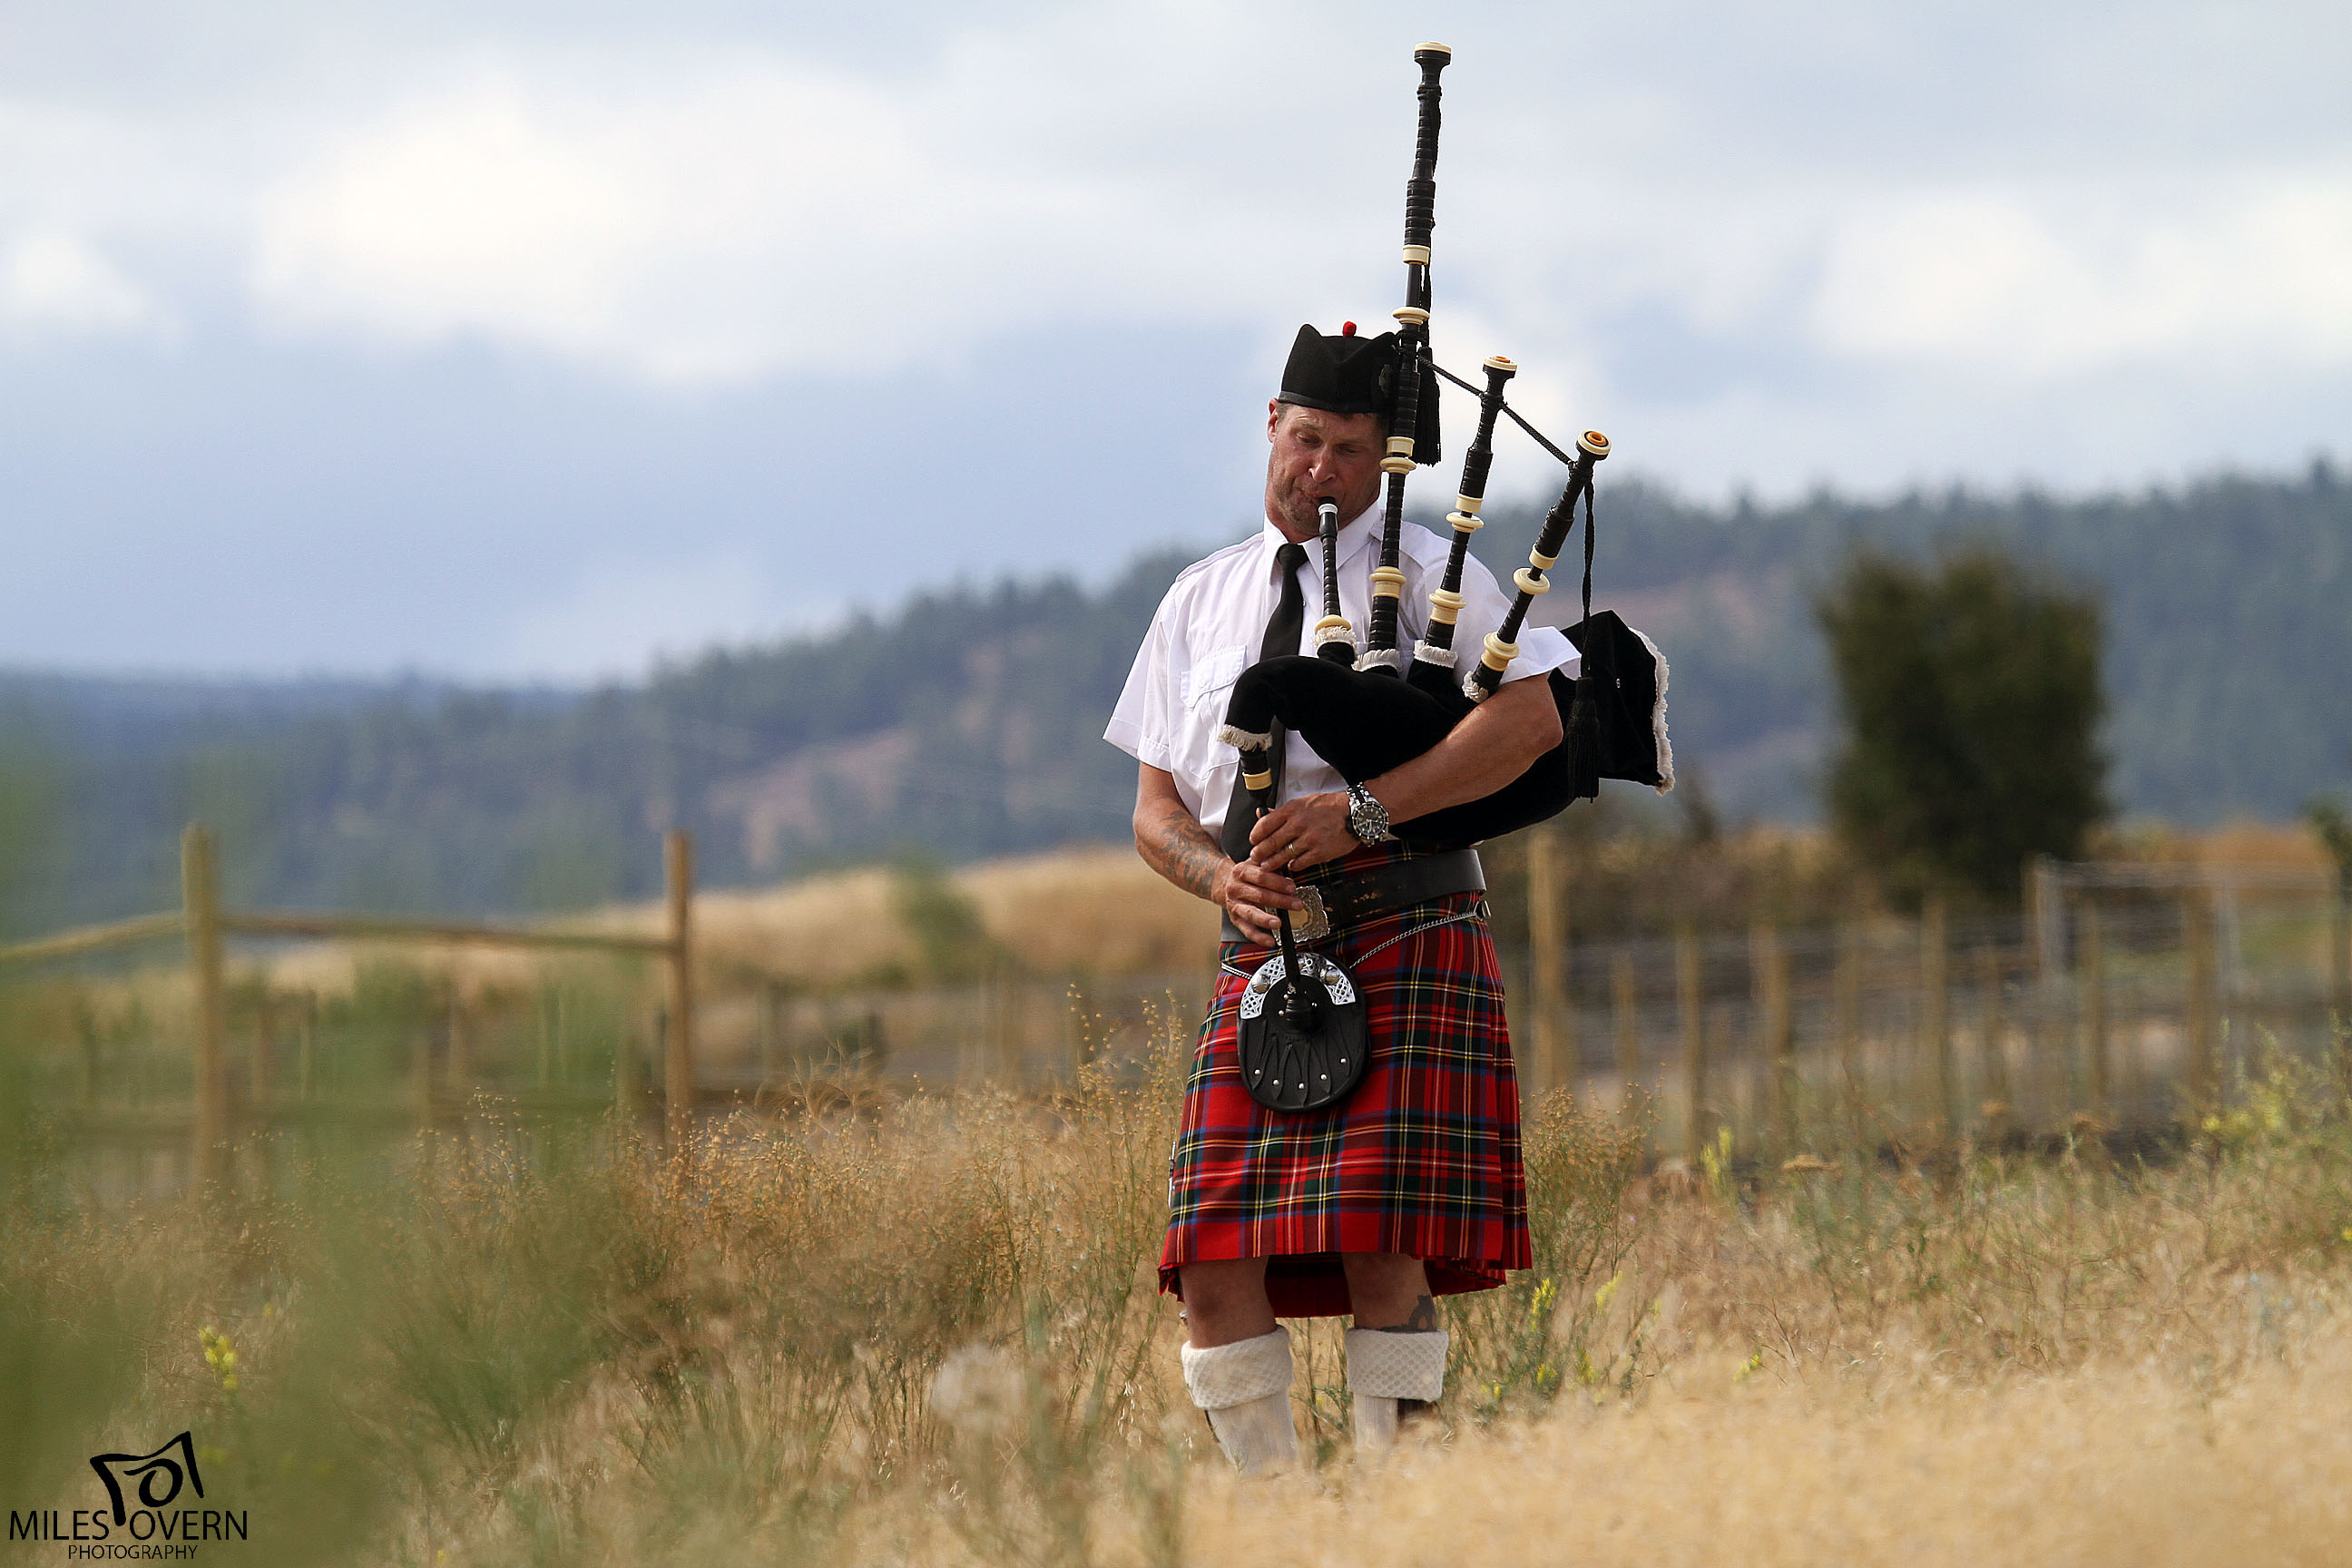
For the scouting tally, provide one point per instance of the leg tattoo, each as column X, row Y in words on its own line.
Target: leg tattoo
column 1422, row 1320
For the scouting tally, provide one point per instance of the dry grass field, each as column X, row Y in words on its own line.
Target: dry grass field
column 872, row 1325
column 924, row 1331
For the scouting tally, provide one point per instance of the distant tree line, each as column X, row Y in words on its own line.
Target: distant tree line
column 2223, row 606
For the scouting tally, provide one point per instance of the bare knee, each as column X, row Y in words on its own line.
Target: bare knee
column 1226, row 1301
column 1389, row 1290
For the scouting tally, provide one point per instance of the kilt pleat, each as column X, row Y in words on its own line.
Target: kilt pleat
column 1422, row 1158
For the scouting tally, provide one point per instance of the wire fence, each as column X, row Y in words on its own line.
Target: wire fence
column 2125, row 999
column 2111, row 1005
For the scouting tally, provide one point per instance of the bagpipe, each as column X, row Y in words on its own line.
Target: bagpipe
column 1364, row 714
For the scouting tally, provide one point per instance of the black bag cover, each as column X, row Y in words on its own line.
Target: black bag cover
column 1626, row 678
column 1364, row 724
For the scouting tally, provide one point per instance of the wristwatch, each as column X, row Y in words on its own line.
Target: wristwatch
column 1368, row 819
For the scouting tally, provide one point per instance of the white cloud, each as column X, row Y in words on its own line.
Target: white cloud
column 53, row 280
column 717, row 212
column 2033, row 285
column 1758, row 245
column 1753, row 244
column 714, row 226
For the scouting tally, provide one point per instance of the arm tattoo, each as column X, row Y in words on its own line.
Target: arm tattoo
column 1422, row 1321
column 1181, row 849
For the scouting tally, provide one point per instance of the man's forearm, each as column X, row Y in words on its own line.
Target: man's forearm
column 1495, row 744
column 1177, row 846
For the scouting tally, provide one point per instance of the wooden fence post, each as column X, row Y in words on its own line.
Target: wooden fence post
column 1769, row 960
column 2044, row 906
column 2197, row 936
column 1689, row 1006
column 200, row 904
column 677, row 1042
column 1935, row 1011
column 2095, row 1011
column 1555, row 1041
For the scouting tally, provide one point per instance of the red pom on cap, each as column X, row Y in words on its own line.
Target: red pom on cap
column 1346, row 329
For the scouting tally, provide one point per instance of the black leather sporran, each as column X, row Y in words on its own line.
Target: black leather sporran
column 1304, row 1041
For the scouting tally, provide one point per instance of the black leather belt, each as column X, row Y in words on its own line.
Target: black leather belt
column 1375, row 890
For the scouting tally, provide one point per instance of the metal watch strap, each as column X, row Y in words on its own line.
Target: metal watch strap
column 1364, row 809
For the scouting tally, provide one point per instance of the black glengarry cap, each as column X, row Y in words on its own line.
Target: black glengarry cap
column 1351, row 375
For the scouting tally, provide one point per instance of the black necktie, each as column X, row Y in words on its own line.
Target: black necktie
column 1281, row 638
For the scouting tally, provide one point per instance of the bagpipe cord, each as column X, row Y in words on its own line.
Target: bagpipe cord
column 1540, row 438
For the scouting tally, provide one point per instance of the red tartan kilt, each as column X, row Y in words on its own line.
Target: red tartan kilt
column 1422, row 1158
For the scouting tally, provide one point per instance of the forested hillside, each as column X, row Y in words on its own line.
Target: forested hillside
column 967, row 721
column 2228, row 609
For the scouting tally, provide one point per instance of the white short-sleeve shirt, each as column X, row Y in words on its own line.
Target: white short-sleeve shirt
column 1208, row 628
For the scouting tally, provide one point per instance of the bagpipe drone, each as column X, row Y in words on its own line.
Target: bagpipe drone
column 1364, row 714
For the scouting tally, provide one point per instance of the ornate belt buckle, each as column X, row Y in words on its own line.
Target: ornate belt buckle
column 1312, row 924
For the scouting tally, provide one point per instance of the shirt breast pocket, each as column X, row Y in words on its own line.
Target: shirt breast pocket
column 1208, row 681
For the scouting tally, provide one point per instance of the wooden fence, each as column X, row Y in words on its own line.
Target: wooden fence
column 2124, row 995
column 205, row 926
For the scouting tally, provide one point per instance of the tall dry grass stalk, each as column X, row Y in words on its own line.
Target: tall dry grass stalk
column 924, row 1330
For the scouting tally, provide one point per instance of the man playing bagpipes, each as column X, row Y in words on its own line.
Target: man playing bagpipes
column 1411, row 1188
column 1349, row 1139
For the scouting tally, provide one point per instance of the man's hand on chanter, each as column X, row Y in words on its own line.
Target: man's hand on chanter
column 1303, row 832
column 1251, row 893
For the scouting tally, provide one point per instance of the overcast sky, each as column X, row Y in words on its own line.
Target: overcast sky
column 500, row 339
